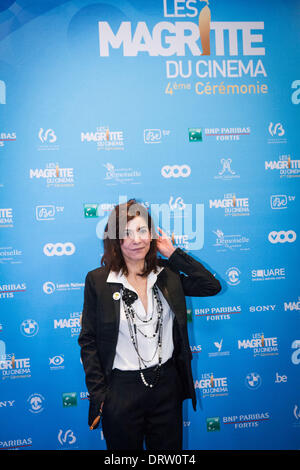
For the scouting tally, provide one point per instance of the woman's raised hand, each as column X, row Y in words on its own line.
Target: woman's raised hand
column 164, row 243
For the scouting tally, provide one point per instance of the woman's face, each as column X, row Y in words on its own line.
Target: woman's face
column 137, row 239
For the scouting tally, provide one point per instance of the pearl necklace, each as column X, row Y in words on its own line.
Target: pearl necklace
column 128, row 298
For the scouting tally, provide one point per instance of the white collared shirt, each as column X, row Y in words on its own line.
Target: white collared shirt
column 126, row 357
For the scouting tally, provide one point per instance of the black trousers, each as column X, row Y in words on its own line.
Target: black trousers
column 134, row 415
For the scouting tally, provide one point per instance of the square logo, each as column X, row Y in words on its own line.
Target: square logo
column 213, row 424
column 69, row 399
column 195, row 134
column 90, row 210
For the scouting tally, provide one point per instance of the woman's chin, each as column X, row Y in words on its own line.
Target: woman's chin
column 137, row 255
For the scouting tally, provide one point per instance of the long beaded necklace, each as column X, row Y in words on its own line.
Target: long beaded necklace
column 128, row 298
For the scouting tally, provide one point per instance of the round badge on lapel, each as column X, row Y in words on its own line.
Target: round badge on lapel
column 116, row 295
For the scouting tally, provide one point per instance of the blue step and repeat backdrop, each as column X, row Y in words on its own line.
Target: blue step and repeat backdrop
column 190, row 106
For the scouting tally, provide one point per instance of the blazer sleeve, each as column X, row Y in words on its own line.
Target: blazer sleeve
column 94, row 377
column 196, row 280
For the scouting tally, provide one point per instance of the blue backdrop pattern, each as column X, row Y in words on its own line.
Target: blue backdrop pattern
column 181, row 103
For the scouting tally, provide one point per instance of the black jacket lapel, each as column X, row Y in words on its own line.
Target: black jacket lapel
column 167, row 282
column 113, row 300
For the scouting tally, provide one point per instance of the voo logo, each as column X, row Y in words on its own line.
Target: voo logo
column 282, row 236
column 176, row 171
column 59, row 249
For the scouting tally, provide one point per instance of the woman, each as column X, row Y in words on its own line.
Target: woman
column 134, row 340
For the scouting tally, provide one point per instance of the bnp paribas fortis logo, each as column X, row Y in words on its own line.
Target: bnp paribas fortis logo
column 213, row 424
column 69, row 399
column 195, row 134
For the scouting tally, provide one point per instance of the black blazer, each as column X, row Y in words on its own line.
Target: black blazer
column 101, row 317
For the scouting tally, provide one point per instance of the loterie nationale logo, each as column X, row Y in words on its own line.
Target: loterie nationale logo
column 50, row 287
column 188, row 30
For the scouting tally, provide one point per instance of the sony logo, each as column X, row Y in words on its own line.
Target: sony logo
column 6, row 403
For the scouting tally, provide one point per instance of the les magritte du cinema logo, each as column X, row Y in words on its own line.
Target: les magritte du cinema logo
column 187, row 29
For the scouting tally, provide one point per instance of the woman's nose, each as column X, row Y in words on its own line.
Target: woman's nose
column 136, row 237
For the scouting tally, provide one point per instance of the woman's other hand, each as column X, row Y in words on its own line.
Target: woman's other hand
column 164, row 243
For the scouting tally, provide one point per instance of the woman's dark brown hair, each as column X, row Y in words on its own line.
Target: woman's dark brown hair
column 114, row 232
